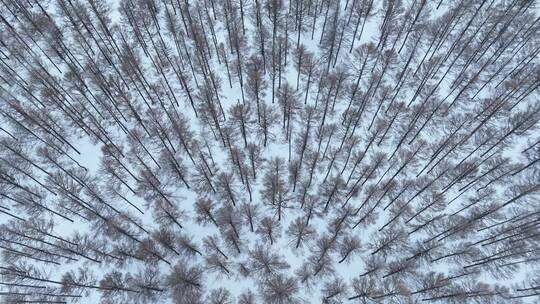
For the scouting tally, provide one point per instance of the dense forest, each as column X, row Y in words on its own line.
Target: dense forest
column 269, row 151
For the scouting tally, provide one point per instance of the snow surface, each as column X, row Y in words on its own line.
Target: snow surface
column 91, row 156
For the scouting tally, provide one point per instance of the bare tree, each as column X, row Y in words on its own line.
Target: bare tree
column 265, row 262
column 280, row 289
column 269, row 229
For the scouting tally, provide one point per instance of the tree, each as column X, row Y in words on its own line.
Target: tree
column 206, row 211
column 186, row 246
column 347, row 246
column 218, row 264
column 219, row 296
column 387, row 241
column 269, row 229
column 212, row 244
column 186, row 283
column 241, row 115
column 308, row 69
column 228, row 218
column 334, row 291
column 256, row 84
column 330, row 36
column 275, row 190
column 255, row 157
column 289, row 104
column 279, row 289
column 250, row 213
column 247, row 297
column 265, row 262
column 299, row 232
column 268, row 119
column 225, row 187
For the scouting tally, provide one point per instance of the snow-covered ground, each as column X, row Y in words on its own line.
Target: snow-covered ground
column 397, row 150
